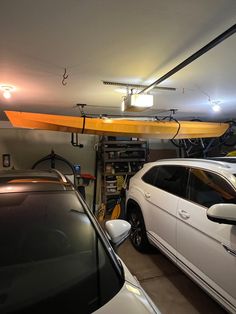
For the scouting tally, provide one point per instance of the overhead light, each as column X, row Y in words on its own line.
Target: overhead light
column 7, row 91
column 215, row 105
column 7, row 94
column 137, row 102
column 107, row 119
column 216, row 108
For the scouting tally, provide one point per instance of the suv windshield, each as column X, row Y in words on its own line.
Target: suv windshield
column 52, row 259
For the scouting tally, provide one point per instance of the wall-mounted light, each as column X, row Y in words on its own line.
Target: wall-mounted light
column 7, row 91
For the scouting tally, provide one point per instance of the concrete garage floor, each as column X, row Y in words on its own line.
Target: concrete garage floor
column 170, row 289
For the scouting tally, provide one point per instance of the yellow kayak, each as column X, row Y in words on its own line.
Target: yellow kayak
column 117, row 127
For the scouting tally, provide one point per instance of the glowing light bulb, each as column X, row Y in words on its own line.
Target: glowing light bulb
column 216, row 108
column 7, row 90
column 7, row 94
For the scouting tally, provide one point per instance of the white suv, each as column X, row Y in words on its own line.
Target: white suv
column 187, row 208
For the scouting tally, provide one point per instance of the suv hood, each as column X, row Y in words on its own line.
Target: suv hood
column 130, row 299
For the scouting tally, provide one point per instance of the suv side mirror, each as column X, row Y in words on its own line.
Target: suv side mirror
column 222, row 213
column 118, row 230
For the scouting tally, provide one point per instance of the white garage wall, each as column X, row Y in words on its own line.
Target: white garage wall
column 27, row 146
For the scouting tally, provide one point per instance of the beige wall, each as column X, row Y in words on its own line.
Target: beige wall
column 160, row 144
column 27, row 146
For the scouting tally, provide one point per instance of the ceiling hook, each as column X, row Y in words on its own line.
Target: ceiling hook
column 64, row 77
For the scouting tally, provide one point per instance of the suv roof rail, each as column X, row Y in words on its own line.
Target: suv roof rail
column 60, row 175
column 216, row 162
column 231, row 160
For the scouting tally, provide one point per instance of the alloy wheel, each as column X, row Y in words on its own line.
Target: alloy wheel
column 136, row 229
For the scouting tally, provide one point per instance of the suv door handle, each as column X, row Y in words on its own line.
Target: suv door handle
column 147, row 195
column 184, row 214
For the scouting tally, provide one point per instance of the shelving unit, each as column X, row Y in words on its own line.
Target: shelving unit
column 120, row 159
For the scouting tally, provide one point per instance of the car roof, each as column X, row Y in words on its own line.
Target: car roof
column 211, row 164
column 12, row 181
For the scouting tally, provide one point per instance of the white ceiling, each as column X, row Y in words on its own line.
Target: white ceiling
column 134, row 41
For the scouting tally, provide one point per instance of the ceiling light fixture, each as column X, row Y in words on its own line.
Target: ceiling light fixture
column 7, row 94
column 7, row 91
column 216, row 108
column 137, row 102
column 215, row 105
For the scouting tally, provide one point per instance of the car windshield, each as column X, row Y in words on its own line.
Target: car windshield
column 52, row 259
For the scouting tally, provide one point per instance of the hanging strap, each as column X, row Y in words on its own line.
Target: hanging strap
column 83, row 124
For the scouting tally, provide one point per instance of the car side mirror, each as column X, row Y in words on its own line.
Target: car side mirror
column 118, row 230
column 222, row 213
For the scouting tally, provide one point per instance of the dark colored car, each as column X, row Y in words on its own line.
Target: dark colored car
column 55, row 258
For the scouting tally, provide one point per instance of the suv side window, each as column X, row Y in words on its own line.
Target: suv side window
column 207, row 188
column 172, row 179
column 150, row 175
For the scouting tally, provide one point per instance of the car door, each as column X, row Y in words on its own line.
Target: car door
column 162, row 198
column 205, row 249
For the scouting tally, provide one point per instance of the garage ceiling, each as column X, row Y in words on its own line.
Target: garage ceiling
column 130, row 41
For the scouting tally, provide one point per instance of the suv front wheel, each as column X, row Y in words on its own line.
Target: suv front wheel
column 138, row 234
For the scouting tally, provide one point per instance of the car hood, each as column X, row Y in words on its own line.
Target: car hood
column 130, row 299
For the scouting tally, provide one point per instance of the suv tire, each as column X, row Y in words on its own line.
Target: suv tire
column 138, row 234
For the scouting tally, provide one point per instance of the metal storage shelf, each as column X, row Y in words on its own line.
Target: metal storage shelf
column 119, row 173
column 124, row 160
column 112, row 193
column 127, row 166
column 125, row 142
column 129, row 149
